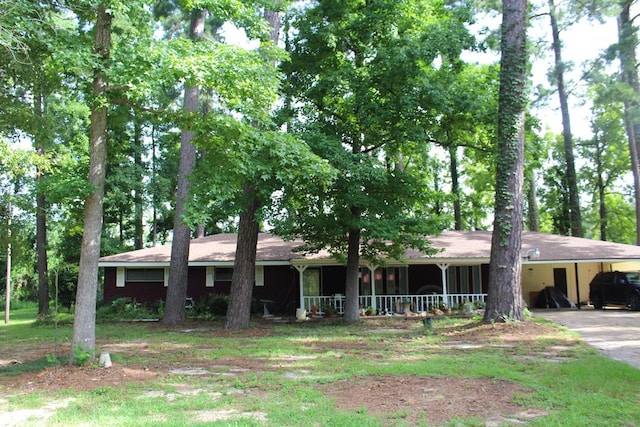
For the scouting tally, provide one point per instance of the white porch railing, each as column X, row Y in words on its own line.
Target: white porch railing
column 394, row 303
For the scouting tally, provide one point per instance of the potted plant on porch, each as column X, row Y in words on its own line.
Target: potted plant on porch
column 329, row 310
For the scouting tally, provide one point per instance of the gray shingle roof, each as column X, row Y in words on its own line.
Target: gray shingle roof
column 470, row 247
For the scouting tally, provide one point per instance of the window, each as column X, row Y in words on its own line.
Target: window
column 145, row 275
column 311, row 281
column 223, row 274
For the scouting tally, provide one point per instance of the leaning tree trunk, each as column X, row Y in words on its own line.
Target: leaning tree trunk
column 627, row 45
column 572, row 181
column 84, row 324
column 179, row 268
column 505, row 293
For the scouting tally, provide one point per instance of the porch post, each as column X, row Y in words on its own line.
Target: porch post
column 372, row 269
column 444, row 268
column 301, row 269
column 577, row 286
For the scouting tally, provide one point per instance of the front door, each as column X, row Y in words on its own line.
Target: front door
column 560, row 280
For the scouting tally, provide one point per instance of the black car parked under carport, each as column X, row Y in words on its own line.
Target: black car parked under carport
column 615, row 288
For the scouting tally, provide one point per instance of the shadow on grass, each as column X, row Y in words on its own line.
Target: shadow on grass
column 13, row 368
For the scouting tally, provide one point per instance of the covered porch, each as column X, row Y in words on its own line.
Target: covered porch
column 394, row 289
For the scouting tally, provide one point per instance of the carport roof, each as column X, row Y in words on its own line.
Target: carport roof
column 456, row 247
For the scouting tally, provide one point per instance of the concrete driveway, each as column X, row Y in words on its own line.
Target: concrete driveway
column 614, row 332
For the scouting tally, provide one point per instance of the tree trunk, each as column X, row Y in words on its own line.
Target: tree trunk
column 179, row 268
column 154, row 195
column 41, row 248
column 273, row 18
column 244, row 267
column 352, row 291
column 455, row 186
column 627, row 45
column 505, row 292
column 602, row 206
column 84, row 325
column 41, row 219
column 239, row 309
column 138, row 190
column 533, row 214
column 572, row 181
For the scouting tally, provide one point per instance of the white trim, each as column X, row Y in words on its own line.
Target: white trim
column 134, row 264
column 166, row 277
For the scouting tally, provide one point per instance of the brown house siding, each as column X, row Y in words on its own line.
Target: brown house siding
column 146, row 292
column 281, row 290
column 281, row 287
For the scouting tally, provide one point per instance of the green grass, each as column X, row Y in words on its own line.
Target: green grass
column 274, row 375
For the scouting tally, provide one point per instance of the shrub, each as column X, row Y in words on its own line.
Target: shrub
column 211, row 305
column 125, row 308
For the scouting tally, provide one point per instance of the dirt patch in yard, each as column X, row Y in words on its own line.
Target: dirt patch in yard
column 434, row 400
column 410, row 399
column 78, row 378
column 479, row 332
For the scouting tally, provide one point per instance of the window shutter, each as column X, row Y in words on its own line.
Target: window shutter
column 259, row 275
column 120, row 277
column 209, row 277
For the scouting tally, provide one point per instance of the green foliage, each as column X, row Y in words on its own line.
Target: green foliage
column 361, row 90
column 55, row 318
column 82, row 355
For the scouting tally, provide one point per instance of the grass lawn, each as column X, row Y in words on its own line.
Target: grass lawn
column 377, row 372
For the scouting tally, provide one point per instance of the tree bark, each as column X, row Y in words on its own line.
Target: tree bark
column 505, row 292
column 572, row 181
column 627, row 45
column 244, row 266
column 84, row 325
column 179, row 264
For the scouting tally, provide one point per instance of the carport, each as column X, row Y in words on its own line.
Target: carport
column 570, row 263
